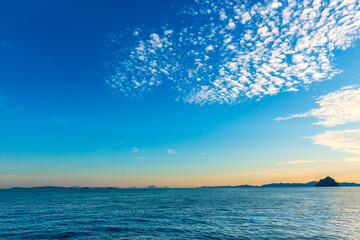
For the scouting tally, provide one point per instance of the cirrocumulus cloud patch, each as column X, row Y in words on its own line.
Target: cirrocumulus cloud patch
column 230, row 51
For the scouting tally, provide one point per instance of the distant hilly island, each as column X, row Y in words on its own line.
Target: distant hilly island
column 309, row 184
column 326, row 182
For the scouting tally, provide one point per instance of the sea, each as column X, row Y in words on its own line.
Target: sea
column 198, row 213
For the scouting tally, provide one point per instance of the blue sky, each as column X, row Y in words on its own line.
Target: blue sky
column 183, row 93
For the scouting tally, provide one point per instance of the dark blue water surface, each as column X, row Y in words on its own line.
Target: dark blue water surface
column 263, row 213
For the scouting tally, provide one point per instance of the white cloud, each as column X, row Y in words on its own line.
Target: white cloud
column 103, row 150
column 304, row 161
column 209, row 48
column 352, row 159
column 245, row 17
column 276, row 4
column 336, row 108
column 231, row 25
column 171, row 151
column 168, row 32
column 259, row 49
column 343, row 160
column 345, row 141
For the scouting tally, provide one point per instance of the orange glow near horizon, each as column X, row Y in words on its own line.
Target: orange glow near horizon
column 296, row 173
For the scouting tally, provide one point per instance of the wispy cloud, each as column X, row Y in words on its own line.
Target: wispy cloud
column 135, row 150
column 103, row 150
column 352, row 159
column 343, row 160
column 227, row 51
column 304, row 161
column 8, row 107
column 345, row 141
column 336, row 108
column 171, row 151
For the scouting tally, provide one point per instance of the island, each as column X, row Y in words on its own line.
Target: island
column 327, row 182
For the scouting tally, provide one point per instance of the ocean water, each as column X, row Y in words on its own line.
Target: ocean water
column 264, row 213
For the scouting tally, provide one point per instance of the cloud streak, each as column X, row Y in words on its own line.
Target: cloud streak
column 171, row 151
column 345, row 141
column 231, row 51
column 135, row 150
column 304, row 161
column 336, row 108
column 344, row 160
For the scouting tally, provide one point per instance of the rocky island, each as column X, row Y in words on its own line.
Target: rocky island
column 327, row 182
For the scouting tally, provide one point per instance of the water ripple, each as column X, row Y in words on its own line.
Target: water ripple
column 273, row 213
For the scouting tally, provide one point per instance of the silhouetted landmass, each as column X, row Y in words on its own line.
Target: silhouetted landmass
column 346, row 184
column 309, row 184
column 327, row 182
column 238, row 186
column 40, row 188
column 54, row 188
column 57, row 188
column 246, row 186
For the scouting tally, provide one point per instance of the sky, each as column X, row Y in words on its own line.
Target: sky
column 178, row 93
